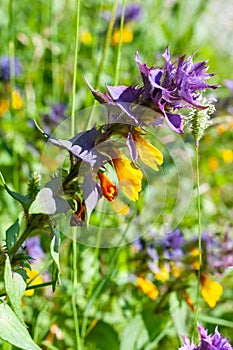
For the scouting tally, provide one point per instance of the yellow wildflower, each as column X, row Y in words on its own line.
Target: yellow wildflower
column 227, row 155
column 34, row 278
column 120, row 207
column 163, row 274
column 213, row 163
column 149, row 154
column 176, row 271
column 16, row 100
column 127, row 36
column 130, row 178
column 221, row 129
column 196, row 263
column 4, row 106
column 86, row 38
column 210, row 290
column 147, row 287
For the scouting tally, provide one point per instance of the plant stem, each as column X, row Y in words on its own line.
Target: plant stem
column 118, row 62
column 75, row 68
column 35, row 286
column 78, row 344
column 31, row 226
column 93, row 281
column 103, row 57
column 107, row 43
column 53, row 24
column 74, row 294
column 199, row 236
column 11, row 30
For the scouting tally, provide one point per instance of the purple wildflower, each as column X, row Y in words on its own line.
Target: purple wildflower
column 175, row 86
column 133, row 13
column 208, row 342
column 165, row 90
column 221, row 252
column 54, row 117
column 5, row 68
column 229, row 84
column 173, row 242
column 34, row 250
column 138, row 245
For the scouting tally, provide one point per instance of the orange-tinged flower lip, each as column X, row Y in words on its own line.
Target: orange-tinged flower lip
column 78, row 217
column 130, row 178
column 109, row 190
column 149, row 154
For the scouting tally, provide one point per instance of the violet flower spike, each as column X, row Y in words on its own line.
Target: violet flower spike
column 208, row 342
column 5, row 68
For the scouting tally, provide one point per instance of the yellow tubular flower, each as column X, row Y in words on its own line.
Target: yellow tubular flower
column 86, row 38
column 162, row 275
column 213, row 163
column 4, row 106
column 227, row 155
column 120, row 207
column 127, row 36
column 16, row 99
column 33, row 275
column 149, row 154
column 147, row 287
column 196, row 263
column 210, row 290
column 129, row 178
column 108, row 188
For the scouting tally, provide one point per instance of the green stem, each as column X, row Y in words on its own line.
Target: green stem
column 53, row 24
column 78, row 344
column 118, row 61
column 93, row 281
column 103, row 57
column 74, row 294
column 31, row 226
column 11, row 30
column 35, row 286
column 199, row 237
column 107, row 43
column 110, row 274
column 75, row 69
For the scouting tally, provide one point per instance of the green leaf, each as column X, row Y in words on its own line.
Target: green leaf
column 12, row 330
column 44, row 202
column 24, row 200
column 54, row 249
column 216, row 320
column 104, row 336
column 15, row 287
column 134, row 335
column 12, row 234
column 154, row 322
column 179, row 314
column 2, row 181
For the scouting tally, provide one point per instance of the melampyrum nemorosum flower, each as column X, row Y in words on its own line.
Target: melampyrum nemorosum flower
column 129, row 177
column 149, row 154
column 109, row 190
column 166, row 91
